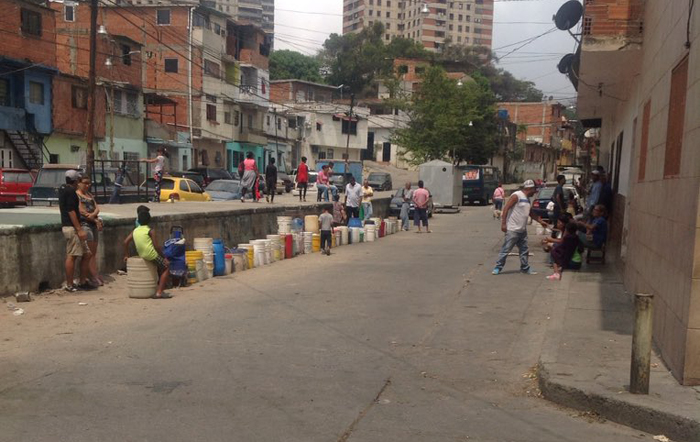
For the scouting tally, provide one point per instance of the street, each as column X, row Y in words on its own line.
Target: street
column 406, row 339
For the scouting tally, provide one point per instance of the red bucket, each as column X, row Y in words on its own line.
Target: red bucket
column 288, row 246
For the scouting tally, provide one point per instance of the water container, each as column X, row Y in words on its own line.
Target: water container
column 338, row 238
column 311, row 223
column 201, row 271
column 355, row 222
column 289, row 246
column 308, row 242
column 382, row 229
column 316, row 243
column 355, row 235
column 344, row 233
column 142, row 278
column 297, row 225
column 228, row 267
column 362, row 235
column 260, row 253
column 219, row 258
column 205, row 245
column 370, row 232
column 250, row 255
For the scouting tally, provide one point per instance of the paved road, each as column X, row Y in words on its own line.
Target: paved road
column 407, row 339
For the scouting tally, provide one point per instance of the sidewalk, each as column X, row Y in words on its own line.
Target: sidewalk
column 585, row 362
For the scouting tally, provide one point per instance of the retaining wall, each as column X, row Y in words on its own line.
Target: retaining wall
column 32, row 258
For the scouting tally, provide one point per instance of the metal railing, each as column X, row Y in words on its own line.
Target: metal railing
column 121, row 181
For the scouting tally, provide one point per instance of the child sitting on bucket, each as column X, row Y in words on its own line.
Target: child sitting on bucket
column 145, row 240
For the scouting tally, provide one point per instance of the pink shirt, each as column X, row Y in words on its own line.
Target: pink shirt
column 421, row 197
column 499, row 193
column 249, row 164
column 322, row 178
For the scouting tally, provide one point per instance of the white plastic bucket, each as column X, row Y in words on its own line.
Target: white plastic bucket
column 370, row 233
column 344, row 232
column 311, row 223
column 338, row 237
column 355, row 234
column 228, row 266
column 142, row 277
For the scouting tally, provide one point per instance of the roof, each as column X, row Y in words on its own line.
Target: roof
column 438, row 163
column 311, row 83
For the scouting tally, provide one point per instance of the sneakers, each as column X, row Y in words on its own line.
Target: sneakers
column 70, row 289
column 554, row 277
column 496, row 271
column 529, row 272
column 86, row 286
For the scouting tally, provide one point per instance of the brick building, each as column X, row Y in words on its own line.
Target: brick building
column 639, row 84
column 431, row 23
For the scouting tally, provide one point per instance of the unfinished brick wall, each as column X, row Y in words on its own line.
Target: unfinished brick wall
column 606, row 18
column 541, row 119
column 22, row 46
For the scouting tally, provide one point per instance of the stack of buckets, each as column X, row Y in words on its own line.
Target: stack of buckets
column 195, row 266
column 206, row 246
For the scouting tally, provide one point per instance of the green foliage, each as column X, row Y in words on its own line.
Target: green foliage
column 287, row 64
column 440, row 115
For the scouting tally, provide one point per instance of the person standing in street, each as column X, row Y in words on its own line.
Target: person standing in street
column 91, row 224
column 367, row 193
column 249, row 176
column 514, row 225
column 558, row 198
column 76, row 237
column 421, row 199
column 406, row 206
column 498, row 196
column 271, row 181
column 594, row 192
column 302, row 179
column 326, row 221
column 158, row 170
column 353, row 197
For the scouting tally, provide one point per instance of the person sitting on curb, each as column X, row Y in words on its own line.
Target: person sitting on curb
column 146, row 246
column 563, row 252
column 596, row 230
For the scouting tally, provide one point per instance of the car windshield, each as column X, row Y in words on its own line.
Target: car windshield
column 17, row 177
column 545, row 193
column 376, row 177
column 51, row 178
column 222, row 186
column 472, row 174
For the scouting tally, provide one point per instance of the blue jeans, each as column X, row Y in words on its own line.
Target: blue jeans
column 514, row 239
column 322, row 191
column 404, row 216
column 367, row 209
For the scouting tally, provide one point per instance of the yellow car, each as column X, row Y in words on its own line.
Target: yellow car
column 180, row 189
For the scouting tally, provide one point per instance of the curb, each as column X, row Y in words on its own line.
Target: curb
column 647, row 419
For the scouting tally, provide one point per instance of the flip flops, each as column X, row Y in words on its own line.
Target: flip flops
column 163, row 295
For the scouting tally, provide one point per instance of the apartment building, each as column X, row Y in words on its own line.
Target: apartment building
column 432, row 23
column 639, row 85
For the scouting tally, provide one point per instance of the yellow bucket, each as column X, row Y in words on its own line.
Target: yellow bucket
column 333, row 240
column 316, row 243
column 249, row 254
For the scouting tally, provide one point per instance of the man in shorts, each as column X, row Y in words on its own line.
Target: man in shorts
column 76, row 237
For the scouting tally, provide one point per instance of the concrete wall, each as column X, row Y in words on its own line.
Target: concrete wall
column 33, row 257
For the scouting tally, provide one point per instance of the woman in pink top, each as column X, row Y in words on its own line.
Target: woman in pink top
column 498, row 196
column 250, row 176
column 421, row 199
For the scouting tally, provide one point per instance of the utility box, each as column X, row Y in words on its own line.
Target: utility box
column 444, row 181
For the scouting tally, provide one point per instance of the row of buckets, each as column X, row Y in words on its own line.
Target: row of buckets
column 295, row 236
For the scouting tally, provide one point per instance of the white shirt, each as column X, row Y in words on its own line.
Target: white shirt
column 519, row 213
column 354, row 195
column 160, row 162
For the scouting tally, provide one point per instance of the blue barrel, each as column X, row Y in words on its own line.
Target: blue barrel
column 219, row 258
column 355, row 222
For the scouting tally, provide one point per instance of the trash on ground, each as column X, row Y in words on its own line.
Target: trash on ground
column 23, row 297
column 18, row 312
column 82, row 304
column 662, row 438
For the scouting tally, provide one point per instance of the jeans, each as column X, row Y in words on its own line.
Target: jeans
column 404, row 216
column 514, row 239
column 322, row 192
column 367, row 209
column 326, row 238
column 352, row 212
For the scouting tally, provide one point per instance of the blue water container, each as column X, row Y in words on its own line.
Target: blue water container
column 219, row 258
column 355, row 222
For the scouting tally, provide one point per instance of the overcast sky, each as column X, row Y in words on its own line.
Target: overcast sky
column 305, row 32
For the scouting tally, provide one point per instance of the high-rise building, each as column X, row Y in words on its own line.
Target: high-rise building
column 256, row 12
column 465, row 22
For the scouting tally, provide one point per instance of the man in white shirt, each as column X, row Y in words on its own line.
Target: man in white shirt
column 514, row 225
column 353, row 198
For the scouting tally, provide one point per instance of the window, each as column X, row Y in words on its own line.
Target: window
column 5, row 99
column 352, row 127
column 211, row 112
column 31, row 22
column 183, row 186
column 227, row 117
column 279, row 123
column 171, row 65
column 211, row 68
column 319, row 126
column 194, row 186
column 126, row 55
column 163, row 17
column 292, row 123
column 217, row 29
column 79, row 97
column 36, row 92
column 676, row 119
column 132, row 104
column 236, row 117
column 268, row 120
column 69, row 13
column 329, row 154
column 250, row 121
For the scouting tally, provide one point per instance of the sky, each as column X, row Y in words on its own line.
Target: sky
column 306, row 29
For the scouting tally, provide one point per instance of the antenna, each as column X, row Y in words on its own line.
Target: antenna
column 568, row 15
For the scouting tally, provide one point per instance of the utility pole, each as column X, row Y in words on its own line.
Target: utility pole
column 90, row 131
column 347, row 145
column 277, row 147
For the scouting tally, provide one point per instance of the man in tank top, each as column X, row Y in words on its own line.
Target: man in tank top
column 514, row 224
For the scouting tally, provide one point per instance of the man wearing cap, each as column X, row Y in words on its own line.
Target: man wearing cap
column 69, row 205
column 594, row 193
column 514, row 225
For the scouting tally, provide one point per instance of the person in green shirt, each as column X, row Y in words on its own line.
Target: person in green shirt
column 145, row 240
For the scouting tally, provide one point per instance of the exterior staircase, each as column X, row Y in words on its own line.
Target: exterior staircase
column 30, row 148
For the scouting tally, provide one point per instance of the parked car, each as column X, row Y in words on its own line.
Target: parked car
column 180, row 189
column 380, row 181
column 540, row 201
column 478, row 183
column 340, row 180
column 14, row 186
column 194, row 176
column 211, row 174
column 397, row 202
column 224, row 190
column 312, row 183
column 284, row 183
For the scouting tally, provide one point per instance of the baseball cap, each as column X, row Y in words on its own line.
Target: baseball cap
column 528, row 184
column 73, row 174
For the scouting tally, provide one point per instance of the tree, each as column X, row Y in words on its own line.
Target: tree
column 287, row 64
column 449, row 121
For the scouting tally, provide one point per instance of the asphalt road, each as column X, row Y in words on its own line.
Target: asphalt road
column 406, row 339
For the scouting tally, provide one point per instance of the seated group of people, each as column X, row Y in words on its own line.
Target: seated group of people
column 570, row 237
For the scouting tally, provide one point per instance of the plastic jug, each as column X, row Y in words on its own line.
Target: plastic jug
column 219, row 258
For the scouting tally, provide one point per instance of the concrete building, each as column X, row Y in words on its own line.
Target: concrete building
column 639, row 82
column 431, row 23
column 27, row 69
column 260, row 13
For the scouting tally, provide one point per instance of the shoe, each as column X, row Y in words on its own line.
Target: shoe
column 496, row 271
column 86, row 286
column 70, row 289
column 242, row 200
column 554, row 277
column 164, row 295
column 529, row 272
column 267, row 198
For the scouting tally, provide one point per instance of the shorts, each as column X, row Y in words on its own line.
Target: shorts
column 91, row 230
column 73, row 245
column 160, row 263
column 302, row 185
column 498, row 204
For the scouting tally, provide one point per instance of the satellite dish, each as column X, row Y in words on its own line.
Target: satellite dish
column 564, row 65
column 568, row 15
